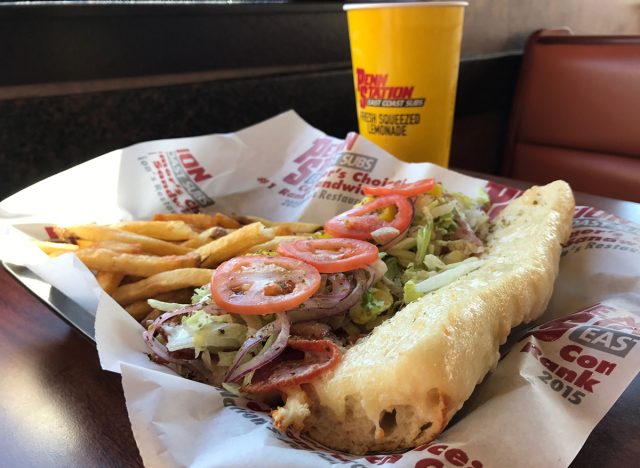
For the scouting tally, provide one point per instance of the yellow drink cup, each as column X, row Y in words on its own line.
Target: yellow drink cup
column 405, row 60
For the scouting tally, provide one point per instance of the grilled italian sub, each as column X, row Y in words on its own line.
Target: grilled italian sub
column 376, row 330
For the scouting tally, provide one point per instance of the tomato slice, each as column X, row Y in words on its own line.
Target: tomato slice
column 331, row 255
column 361, row 221
column 259, row 284
column 320, row 356
column 410, row 189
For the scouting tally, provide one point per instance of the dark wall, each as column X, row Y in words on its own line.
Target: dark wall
column 67, row 43
column 80, row 80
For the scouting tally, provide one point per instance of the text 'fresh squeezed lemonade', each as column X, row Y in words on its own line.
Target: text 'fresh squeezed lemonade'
column 405, row 60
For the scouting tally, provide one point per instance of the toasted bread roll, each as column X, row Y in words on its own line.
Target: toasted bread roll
column 401, row 385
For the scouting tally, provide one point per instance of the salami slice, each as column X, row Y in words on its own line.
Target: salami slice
column 318, row 356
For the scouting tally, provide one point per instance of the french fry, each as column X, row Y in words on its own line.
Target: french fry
column 206, row 236
column 131, row 279
column 55, row 248
column 63, row 234
column 165, row 230
column 200, row 220
column 109, row 280
column 132, row 264
column 233, row 244
column 85, row 244
column 124, row 247
column 284, row 228
column 141, row 309
column 273, row 243
column 96, row 232
column 57, row 253
column 162, row 282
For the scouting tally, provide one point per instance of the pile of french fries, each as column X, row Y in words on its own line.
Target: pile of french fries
column 169, row 256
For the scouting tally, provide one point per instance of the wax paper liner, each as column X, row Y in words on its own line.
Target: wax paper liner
column 556, row 381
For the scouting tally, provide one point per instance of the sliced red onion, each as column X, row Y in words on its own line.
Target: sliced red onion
column 250, row 343
column 160, row 352
column 282, row 325
column 340, row 288
column 376, row 271
column 303, row 314
column 158, row 349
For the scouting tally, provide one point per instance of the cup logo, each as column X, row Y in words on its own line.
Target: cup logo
column 374, row 91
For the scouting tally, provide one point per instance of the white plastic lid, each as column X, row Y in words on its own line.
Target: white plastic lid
column 362, row 6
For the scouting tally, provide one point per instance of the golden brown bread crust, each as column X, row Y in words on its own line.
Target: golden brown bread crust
column 399, row 387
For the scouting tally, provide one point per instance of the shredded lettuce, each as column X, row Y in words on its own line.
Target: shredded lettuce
column 165, row 306
column 201, row 294
column 410, row 293
column 233, row 388
column 202, row 330
column 206, row 358
column 225, row 358
column 470, row 209
column 370, row 301
column 431, row 262
column 393, row 277
column 374, row 302
column 482, row 197
column 197, row 320
column 433, row 242
column 422, row 242
column 445, row 224
column 415, row 274
column 178, row 337
column 413, row 290
column 406, row 244
column 220, row 335
column 444, row 209
column 465, row 200
column 254, row 322
column 247, row 378
column 422, row 209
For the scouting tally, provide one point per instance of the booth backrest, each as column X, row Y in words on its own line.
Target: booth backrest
column 576, row 114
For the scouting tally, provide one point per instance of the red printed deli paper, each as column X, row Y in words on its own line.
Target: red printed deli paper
column 557, row 379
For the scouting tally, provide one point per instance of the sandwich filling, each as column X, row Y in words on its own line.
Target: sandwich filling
column 272, row 320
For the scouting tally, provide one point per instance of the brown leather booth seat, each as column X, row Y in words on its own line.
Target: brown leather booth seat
column 576, row 114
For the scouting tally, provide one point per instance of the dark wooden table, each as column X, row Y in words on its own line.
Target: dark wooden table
column 58, row 408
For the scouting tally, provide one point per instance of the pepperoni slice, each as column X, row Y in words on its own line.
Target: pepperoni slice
column 320, row 356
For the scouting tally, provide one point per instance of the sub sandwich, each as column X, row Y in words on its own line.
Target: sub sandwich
column 371, row 333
